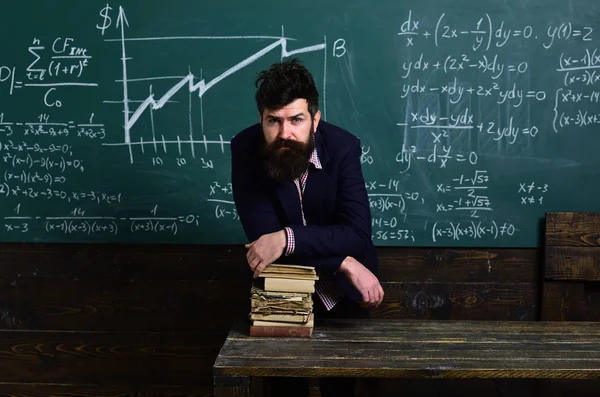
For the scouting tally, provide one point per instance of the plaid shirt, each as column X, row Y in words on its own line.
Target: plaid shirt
column 325, row 288
column 300, row 185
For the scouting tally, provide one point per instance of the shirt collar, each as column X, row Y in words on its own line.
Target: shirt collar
column 314, row 159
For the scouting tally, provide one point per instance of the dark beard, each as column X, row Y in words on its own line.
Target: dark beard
column 287, row 164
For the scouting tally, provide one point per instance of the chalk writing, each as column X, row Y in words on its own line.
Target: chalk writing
column 119, row 127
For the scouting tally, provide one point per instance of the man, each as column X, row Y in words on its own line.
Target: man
column 301, row 198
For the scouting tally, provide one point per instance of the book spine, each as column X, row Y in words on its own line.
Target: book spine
column 285, row 332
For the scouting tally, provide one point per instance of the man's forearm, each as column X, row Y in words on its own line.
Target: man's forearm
column 332, row 240
column 329, row 262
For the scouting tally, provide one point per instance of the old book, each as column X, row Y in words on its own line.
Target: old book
column 259, row 300
column 290, row 271
column 261, row 323
column 287, row 284
column 286, row 318
column 275, row 304
column 275, row 312
column 283, row 332
column 259, row 292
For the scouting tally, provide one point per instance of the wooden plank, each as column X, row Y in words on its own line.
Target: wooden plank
column 421, row 349
column 375, row 328
column 459, row 301
column 557, row 300
column 574, row 229
column 91, row 390
column 107, row 357
column 458, row 265
column 128, row 261
column 571, row 301
column 572, row 263
column 417, row 370
column 458, row 350
column 228, row 262
column 121, row 305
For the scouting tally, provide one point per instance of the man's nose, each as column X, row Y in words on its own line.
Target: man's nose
column 285, row 131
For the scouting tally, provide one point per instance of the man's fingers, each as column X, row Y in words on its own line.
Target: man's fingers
column 251, row 255
column 381, row 294
column 254, row 263
column 374, row 296
column 259, row 268
column 365, row 296
column 371, row 297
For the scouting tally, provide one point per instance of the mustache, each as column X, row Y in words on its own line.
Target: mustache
column 289, row 143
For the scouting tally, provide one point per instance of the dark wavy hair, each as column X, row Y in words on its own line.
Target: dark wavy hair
column 283, row 83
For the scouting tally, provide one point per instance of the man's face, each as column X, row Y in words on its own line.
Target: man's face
column 288, row 139
column 292, row 122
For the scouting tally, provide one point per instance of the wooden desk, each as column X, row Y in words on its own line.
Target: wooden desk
column 413, row 349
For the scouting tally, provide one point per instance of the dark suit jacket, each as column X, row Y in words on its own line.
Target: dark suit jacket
column 336, row 206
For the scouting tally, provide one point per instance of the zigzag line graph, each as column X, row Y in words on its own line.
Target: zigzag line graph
column 192, row 83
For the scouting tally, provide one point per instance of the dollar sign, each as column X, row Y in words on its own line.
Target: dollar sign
column 107, row 19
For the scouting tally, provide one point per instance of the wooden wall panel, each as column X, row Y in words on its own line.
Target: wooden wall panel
column 149, row 320
column 459, row 301
column 571, row 287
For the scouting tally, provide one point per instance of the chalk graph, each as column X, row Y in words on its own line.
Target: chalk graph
column 195, row 85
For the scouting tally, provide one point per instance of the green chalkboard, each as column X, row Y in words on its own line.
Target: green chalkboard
column 476, row 117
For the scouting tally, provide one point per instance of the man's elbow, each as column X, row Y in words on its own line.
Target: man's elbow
column 360, row 243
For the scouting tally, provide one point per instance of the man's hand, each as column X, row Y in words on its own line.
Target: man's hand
column 364, row 280
column 265, row 250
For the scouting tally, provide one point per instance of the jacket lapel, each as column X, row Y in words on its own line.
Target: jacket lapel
column 288, row 197
column 317, row 180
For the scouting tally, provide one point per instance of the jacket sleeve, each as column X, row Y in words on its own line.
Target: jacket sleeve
column 328, row 262
column 351, row 233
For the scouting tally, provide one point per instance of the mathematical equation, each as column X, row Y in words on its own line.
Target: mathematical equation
column 456, row 92
column 463, row 108
column 471, row 230
column 493, row 66
column 77, row 223
column 573, row 106
column 60, row 64
column 488, row 34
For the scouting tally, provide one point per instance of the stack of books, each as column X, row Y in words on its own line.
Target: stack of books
column 281, row 301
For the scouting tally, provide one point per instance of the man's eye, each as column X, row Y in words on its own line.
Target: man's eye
column 296, row 120
column 273, row 121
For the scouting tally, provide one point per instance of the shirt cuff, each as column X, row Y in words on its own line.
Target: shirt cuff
column 291, row 242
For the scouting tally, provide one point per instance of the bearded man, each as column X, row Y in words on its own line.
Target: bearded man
column 300, row 194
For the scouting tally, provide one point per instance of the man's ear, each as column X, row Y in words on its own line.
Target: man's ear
column 316, row 119
column 259, row 117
